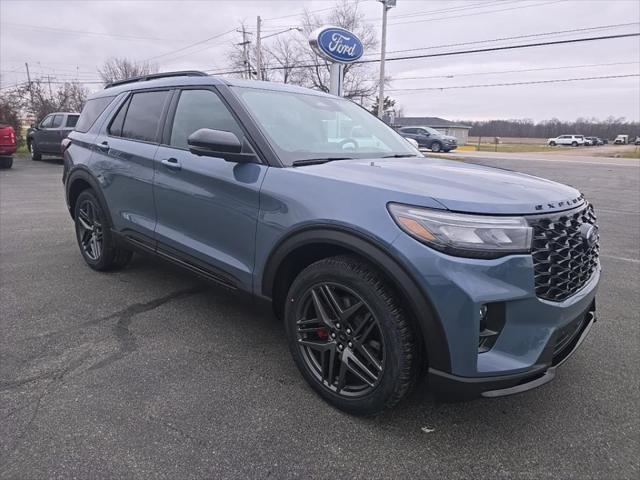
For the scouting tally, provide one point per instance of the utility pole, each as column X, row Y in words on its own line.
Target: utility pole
column 245, row 52
column 26, row 64
column 258, row 53
column 386, row 5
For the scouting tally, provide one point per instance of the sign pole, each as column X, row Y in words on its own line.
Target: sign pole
column 336, row 79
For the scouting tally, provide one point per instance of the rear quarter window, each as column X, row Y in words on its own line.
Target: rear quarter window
column 90, row 113
column 72, row 121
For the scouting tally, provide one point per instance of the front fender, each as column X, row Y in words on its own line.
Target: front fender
column 367, row 247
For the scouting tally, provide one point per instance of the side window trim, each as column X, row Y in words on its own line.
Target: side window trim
column 173, row 107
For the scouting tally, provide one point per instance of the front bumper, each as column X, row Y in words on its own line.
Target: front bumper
column 523, row 355
column 454, row 387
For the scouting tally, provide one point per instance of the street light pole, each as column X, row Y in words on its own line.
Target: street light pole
column 386, row 5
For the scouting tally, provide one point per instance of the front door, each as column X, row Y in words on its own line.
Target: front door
column 207, row 208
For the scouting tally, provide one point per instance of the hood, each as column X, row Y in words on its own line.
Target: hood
column 457, row 186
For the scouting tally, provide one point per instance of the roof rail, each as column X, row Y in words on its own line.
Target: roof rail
column 153, row 76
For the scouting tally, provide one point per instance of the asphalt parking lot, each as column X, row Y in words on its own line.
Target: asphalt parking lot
column 149, row 372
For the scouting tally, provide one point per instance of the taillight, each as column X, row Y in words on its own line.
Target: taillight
column 65, row 144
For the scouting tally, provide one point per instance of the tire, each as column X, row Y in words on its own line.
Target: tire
column 436, row 147
column 6, row 162
column 35, row 155
column 553, row 144
column 365, row 325
column 93, row 233
column 574, row 144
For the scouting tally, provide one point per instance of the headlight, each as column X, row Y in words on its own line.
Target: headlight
column 464, row 235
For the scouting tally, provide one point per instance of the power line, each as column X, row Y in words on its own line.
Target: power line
column 558, row 32
column 449, row 9
column 471, row 74
column 458, row 52
column 191, row 45
column 532, row 82
column 477, row 13
column 82, row 32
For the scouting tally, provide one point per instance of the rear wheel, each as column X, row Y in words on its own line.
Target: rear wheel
column 6, row 162
column 436, row 146
column 93, row 233
column 574, row 144
column 350, row 337
column 33, row 149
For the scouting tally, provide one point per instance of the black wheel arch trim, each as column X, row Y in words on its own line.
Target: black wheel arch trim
column 421, row 306
column 83, row 173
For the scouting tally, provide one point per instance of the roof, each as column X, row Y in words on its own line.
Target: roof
column 433, row 122
column 173, row 79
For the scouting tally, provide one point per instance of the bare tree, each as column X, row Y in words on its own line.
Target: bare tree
column 123, row 68
column 40, row 99
column 289, row 59
column 359, row 79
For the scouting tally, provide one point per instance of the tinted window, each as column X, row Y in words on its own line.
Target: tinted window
column 200, row 109
column 57, row 121
column 143, row 116
column 91, row 111
column 72, row 120
column 116, row 125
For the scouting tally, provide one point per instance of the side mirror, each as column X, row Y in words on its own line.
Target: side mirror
column 218, row 143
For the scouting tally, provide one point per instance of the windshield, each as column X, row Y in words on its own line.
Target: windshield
column 308, row 127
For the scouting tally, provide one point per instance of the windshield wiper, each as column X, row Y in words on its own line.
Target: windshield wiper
column 317, row 161
column 401, row 155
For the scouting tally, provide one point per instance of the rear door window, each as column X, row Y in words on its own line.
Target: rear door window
column 142, row 118
column 91, row 111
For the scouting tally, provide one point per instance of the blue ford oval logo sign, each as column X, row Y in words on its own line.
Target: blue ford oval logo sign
column 336, row 44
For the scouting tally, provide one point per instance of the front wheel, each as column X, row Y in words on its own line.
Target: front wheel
column 93, row 233
column 553, row 144
column 350, row 337
column 436, row 147
column 574, row 144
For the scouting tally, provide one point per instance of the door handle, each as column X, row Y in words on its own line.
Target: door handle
column 172, row 163
column 103, row 147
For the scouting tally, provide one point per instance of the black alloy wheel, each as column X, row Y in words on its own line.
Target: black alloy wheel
column 89, row 230
column 95, row 239
column 350, row 336
column 340, row 340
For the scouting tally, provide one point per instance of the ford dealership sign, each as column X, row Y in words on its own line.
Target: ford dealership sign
column 336, row 44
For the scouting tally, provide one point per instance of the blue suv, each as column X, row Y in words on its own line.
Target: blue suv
column 385, row 266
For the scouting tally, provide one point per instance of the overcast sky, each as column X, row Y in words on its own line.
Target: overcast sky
column 65, row 39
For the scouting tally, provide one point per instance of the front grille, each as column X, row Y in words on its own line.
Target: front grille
column 563, row 260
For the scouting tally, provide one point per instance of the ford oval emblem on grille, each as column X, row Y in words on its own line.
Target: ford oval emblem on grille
column 589, row 234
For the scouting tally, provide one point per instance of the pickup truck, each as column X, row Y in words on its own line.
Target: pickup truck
column 46, row 137
column 8, row 145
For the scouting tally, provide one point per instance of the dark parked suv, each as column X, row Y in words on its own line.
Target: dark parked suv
column 46, row 137
column 430, row 138
column 384, row 265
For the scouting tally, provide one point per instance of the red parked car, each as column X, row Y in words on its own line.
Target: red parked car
column 8, row 145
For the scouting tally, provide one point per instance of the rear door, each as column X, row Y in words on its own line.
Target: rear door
column 123, row 161
column 207, row 208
